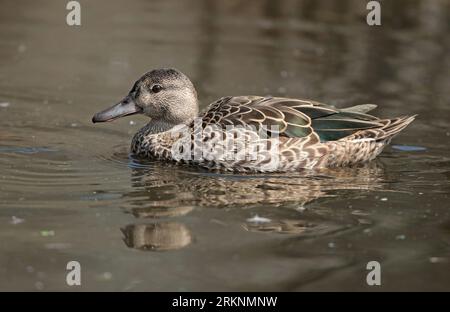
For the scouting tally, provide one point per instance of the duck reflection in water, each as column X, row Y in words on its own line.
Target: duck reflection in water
column 157, row 236
column 163, row 191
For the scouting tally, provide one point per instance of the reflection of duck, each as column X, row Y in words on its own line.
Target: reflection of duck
column 166, row 191
column 157, row 236
column 249, row 133
column 161, row 191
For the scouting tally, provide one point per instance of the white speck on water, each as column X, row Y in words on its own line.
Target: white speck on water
column 30, row 269
column 21, row 48
column 367, row 231
column 284, row 74
column 400, row 237
column 331, row 245
column 39, row 285
column 15, row 220
column 438, row 259
column 4, row 104
column 106, row 276
column 300, row 209
column 74, row 124
column 384, row 199
column 132, row 123
column 258, row 219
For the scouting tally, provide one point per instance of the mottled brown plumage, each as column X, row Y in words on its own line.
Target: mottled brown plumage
column 252, row 133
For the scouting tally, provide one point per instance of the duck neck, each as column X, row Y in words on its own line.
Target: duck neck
column 156, row 126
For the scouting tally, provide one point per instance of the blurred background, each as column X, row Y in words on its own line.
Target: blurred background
column 70, row 191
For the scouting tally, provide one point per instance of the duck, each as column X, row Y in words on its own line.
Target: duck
column 248, row 133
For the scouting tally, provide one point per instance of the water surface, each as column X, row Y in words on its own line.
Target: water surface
column 69, row 190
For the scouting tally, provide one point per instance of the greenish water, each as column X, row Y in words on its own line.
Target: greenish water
column 69, row 190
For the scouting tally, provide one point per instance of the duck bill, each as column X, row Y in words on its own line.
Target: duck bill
column 124, row 108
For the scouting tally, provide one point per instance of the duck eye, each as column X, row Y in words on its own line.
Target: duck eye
column 156, row 88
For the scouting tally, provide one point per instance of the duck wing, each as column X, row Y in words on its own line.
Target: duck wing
column 292, row 118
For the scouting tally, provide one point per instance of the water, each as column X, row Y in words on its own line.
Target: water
column 69, row 190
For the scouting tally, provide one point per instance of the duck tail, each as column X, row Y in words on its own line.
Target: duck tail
column 362, row 108
column 393, row 127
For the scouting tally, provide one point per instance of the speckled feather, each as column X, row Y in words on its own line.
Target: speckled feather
column 308, row 135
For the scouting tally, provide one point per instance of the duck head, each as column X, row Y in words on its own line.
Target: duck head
column 164, row 95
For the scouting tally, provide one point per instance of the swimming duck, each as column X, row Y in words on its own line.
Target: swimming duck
column 248, row 133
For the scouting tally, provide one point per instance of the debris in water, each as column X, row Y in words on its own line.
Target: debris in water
column 15, row 220
column 331, row 245
column 4, row 104
column 400, row 237
column 132, row 123
column 257, row 219
column 384, row 199
column 47, row 233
